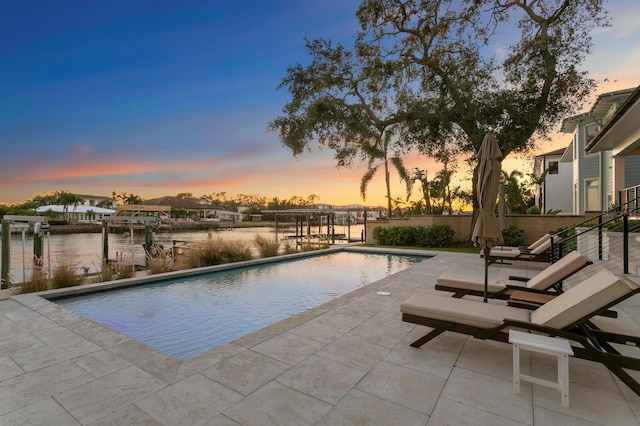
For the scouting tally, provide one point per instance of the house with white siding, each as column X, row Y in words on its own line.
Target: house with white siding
column 619, row 136
column 77, row 214
column 95, row 200
column 593, row 171
column 554, row 192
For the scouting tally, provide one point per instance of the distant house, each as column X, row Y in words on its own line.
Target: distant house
column 554, row 192
column 370, row 213
column 79, row 213
column 592, row 185
column 620, row 137
column 203, row 210
column 94, row 200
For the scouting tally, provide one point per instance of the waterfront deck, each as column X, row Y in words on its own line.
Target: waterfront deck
column 347, row 361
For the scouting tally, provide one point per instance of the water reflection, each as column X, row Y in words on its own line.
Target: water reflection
column 85, row 250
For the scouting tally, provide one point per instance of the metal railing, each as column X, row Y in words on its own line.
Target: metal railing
column 615, row 220
column 629, row 198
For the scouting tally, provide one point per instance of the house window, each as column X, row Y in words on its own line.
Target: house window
column 592, row 191
column 591, row 131
column 553, row 167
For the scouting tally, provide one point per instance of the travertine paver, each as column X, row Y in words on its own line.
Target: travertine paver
column 21, row 391
column 490, row 394
column 246, row 371
column 103, row 396
column 100, row 363
column 44, row 412
column 9, row 369
column 322, row 378
column 345, row 362
column 361, row 408
column 277, row 404
column 189, row 401
column 403, row 386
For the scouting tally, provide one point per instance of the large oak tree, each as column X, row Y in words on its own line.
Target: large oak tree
column 427, row 74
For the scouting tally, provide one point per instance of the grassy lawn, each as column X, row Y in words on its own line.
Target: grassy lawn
column 456, row 249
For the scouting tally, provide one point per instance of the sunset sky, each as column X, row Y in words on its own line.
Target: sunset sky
column 157, row 97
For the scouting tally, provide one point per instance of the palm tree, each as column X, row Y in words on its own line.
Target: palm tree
column 423, row 177
column 105, row 204
column 66, row 199
column 441, row 188
column 516, row 193
column 539, row 181
column 378, row 155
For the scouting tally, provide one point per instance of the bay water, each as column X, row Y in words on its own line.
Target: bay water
column 84, row 251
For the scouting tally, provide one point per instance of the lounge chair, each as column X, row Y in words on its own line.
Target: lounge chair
column 537, row 253
column 552, row 276
column 567, row 315
column 530, row 247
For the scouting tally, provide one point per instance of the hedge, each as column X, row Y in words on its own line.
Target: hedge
column 414, row 236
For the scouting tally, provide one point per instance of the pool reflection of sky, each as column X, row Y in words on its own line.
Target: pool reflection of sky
column 187, row 316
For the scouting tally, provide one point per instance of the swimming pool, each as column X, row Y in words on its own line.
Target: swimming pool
column 186, row 316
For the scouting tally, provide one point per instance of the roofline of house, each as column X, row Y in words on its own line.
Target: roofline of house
column 632, row 99
column 589, row 114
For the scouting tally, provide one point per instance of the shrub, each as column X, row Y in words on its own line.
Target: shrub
column 533, row 210
column 218, row 251
column 37, row 282
column 416, row 236
column 512, row 236
column 289, row 249
column 64, row 275
column 440, row 235
column 267, row 247
column 406, row 236
column 157, row 260
column 236, row 251
column 380, row 235
column 125, row 270
column 210, row 252
column 114, row 271
column 567, row 232
column 106, row 273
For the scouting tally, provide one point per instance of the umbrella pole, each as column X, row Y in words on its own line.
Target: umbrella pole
column 487, row 251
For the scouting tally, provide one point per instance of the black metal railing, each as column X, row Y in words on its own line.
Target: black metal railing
column 616, row 220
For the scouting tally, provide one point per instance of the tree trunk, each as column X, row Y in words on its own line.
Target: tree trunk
column 388, row 185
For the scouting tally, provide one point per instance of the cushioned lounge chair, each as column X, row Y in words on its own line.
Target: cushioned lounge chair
column 530, row 247
column 568, row 315
column 552, row 276
column 537, row 253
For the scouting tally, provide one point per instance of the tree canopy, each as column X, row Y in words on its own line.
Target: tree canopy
column 437, row 75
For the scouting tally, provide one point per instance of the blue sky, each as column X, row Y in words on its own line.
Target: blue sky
column 161, row 97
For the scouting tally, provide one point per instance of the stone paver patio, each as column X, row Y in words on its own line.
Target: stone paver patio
column 346, row 362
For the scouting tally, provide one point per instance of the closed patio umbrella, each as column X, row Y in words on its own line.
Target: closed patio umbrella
column 502, row 209
column 486, row 232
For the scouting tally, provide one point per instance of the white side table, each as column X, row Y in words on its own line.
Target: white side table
column 546, row 345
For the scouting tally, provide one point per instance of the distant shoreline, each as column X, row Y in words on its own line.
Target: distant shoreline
column 171, row 227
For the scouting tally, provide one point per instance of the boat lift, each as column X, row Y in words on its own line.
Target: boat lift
column 22, row 223
column 148, row 221
column 322, row 216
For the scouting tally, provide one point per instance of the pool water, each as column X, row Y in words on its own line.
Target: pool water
column 184, row 317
